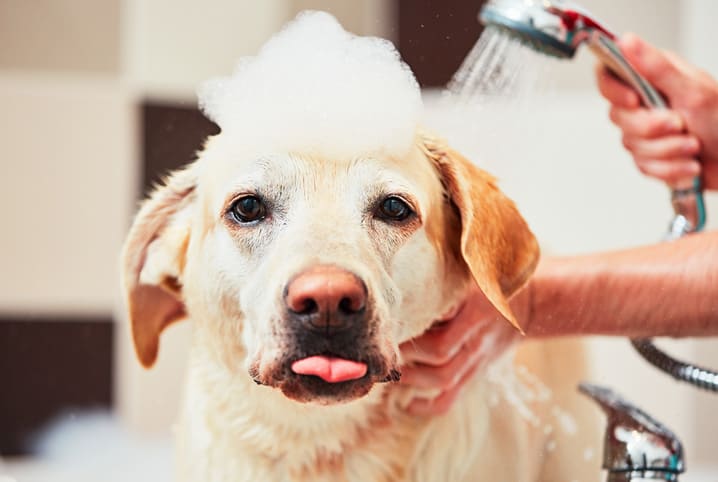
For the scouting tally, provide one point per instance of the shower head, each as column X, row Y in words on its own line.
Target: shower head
column 552, row 27
column 557, row 28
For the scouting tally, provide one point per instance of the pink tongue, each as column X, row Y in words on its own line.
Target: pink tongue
column 329, row 369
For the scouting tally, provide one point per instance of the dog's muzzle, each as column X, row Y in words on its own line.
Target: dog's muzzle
column 332, row 351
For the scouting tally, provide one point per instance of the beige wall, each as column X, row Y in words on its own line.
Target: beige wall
column 364, row 17
column 66, row 192
column 173, row 45
column 657, row 20
column 64, row 35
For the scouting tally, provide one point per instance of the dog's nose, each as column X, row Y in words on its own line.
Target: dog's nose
column 326, row 298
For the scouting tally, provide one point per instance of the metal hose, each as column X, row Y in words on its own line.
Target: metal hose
column 682, row 371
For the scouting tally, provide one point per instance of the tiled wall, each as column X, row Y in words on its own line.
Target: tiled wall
column 66, row 127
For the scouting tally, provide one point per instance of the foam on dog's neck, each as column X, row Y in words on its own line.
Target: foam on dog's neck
column 318, row 89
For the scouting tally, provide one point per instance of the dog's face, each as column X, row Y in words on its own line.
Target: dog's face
column 307, row 272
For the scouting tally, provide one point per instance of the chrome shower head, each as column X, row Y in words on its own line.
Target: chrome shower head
column 552, row 27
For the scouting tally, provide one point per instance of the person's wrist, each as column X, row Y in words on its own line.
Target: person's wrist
column 540, row 295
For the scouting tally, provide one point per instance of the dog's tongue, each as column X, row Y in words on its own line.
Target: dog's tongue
column 329, row 369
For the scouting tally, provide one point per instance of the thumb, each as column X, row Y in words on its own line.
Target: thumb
column 653, row 64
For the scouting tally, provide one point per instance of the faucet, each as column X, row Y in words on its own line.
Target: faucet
column 636, row 446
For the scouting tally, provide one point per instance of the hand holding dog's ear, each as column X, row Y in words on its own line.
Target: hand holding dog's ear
column 153, row 262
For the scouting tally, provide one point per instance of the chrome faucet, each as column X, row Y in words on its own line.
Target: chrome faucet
column 636, row 446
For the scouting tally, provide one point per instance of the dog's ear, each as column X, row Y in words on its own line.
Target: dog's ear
column 496, row 243
column 153, row 260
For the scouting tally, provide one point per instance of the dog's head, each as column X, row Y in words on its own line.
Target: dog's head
column 309, row 272
column 306, row 264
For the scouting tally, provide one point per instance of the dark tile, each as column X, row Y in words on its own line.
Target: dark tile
column 435, row 37
column 49, row 366
column 172, row 135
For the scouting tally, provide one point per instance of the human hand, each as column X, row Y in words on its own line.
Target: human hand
column 447, row 355
column 666, row 143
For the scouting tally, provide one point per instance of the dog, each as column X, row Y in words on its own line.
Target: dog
column 304, row 265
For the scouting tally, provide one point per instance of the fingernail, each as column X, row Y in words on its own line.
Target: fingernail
column 694, row 169
column 451, row 312
column 631, row 42
column 691, row 145
column 676, row 123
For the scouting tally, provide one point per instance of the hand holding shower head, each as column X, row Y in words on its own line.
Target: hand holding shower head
column 558, row 28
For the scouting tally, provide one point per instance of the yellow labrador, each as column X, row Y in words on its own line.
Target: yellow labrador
column 302, row 273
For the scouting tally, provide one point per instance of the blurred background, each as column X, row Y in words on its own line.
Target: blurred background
column 98, row 101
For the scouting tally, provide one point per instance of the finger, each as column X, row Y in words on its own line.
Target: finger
column 614, row 90
column 438, row 346
column 442, row 403
column 670, row 171
column 647, row 123
column 446, row 376
column 681, row 64
column 655, row 65
column 665, row 148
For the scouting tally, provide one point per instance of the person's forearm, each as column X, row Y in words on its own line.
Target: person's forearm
column 669, row 289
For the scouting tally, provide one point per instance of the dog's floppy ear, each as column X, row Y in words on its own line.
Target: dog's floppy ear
column 153, row 259
column 496, row 243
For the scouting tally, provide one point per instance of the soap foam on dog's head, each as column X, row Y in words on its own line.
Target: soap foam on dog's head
column 318, row 89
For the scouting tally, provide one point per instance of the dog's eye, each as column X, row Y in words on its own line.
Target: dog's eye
column 248, row 209
column 394, row 209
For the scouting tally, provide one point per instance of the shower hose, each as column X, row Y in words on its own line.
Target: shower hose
column 682, row 371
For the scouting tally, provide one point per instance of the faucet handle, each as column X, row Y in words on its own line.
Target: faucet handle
column 636, row 446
